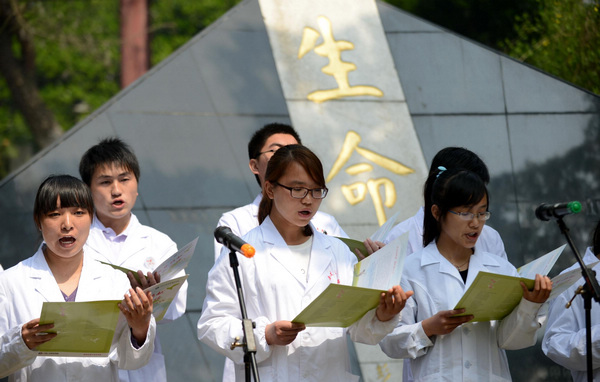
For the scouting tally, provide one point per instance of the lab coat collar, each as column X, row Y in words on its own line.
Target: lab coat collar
column 42, row 278
column 480, row 261
column 45, row 284
column 135, row 241
column 320, row 257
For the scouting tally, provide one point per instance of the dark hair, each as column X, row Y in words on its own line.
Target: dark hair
column 110, row 151
column 260, row 137
column 453, row 158
column 458, row 157
column 596, row 240
column 277, row 167
column 71, row 191
column 452, row 188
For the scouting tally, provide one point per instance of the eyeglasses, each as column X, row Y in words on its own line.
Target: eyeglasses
column 483, row 216
column 301, row 192
column 272, row 151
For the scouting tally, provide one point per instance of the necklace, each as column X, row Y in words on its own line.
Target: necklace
column 462, row 265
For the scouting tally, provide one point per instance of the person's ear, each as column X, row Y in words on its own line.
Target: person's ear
column 435, row 211
column 253, row 164
column 269, row 190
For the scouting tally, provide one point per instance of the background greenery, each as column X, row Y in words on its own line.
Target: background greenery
column 77, row 47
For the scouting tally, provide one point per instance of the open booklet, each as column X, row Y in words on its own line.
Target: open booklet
column 168, row 268
column 164, row 292
column 85, row 329
column 342, row 305
column 492, row 296
column 379, row 235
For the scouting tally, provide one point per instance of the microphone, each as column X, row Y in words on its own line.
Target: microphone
column 546, row 212
column 234, row 243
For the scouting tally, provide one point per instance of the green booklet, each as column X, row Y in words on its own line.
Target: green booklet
column 493, row 296
column 168, row 268
column 339, row 306
column 342, row 305
column 84, row 329
column 163, row 294
column 379, row 235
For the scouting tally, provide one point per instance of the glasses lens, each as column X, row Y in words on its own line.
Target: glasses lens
column 298, row 192
column 319, row 193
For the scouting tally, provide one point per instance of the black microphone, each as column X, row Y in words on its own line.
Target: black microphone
column 546, row 212
column 234, row 243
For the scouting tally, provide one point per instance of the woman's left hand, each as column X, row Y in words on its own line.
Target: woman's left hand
column 541, row 289
column 137, row 308
column 392, row 302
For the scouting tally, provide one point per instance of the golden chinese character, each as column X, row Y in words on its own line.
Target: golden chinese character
column 383, row 374
column 337, row 68
column 357, row 192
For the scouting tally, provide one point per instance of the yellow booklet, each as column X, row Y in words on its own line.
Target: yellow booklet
column 493, row 296
column 84, row 329
column 342, row 305
column 168, row 268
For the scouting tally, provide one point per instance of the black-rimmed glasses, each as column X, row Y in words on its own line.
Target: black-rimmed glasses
column 483, row 216
column 301, row 192
column 272, row 151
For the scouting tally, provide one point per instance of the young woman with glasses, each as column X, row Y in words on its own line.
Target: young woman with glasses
column 440, row 345
column 293, row 264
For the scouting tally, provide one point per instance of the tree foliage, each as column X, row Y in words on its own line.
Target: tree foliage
column 564, row 40
column 72, row 56
column 77, row 58
column 489, row 22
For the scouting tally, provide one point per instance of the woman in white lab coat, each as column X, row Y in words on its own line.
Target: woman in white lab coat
column 293, row 264
column 442, row 347
column 565, row 338
column 59, row 271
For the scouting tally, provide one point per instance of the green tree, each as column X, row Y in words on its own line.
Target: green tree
column 489, row 22
column 69, row 54
column 564, row 40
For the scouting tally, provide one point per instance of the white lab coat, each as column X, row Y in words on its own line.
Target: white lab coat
column 272, row 292
column 565, row 338
column 145, row 248
column 489, row 241
column 23, row 290
column 243, row 219
column 473, row 351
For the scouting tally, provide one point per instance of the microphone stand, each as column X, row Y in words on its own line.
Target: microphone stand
column 249, row 342
column 589, row 290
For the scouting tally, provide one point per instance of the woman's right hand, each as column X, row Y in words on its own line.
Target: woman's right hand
column 443, row 322
column 282, row 332
column 33, row 333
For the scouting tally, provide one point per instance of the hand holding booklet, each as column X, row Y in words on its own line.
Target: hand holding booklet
column 379, row 235
column 342, row 305
column 164, row 292
column 85, row 329
column 168, row 268
column 493, row 296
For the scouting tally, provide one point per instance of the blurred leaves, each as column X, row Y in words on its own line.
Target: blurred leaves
column 77, row 46
column 77, row 66
column 563, row 39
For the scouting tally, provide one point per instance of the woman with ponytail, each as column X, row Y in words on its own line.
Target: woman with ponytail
column 442, row 346
column 293, row 264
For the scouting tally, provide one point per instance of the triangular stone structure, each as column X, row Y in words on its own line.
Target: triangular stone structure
column 190, row 117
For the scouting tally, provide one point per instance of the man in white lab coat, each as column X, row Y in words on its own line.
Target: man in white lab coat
column 112, row 172
column 261, row 148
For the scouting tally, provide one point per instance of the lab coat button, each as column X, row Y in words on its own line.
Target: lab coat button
column 468, row 364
